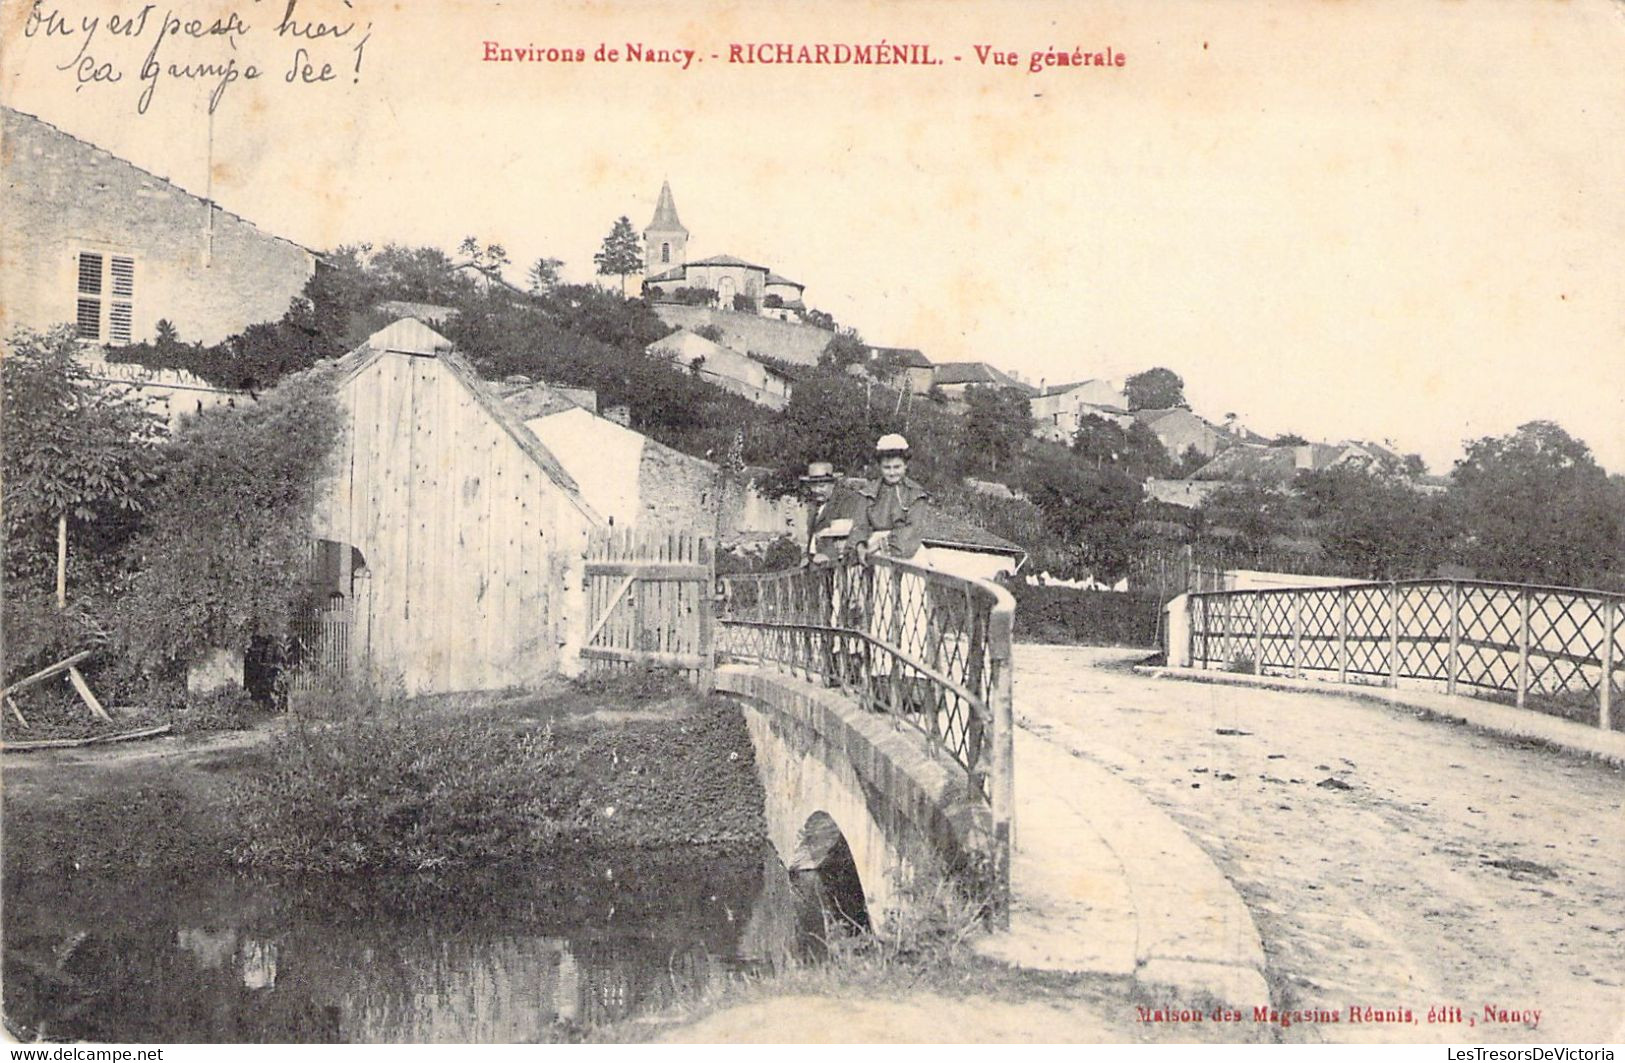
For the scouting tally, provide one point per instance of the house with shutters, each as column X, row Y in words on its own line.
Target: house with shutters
column 95, row 241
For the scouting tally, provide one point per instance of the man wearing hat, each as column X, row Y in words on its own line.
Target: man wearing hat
column 888, row 518
column 828, row 521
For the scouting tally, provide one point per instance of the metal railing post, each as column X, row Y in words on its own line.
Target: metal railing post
column 1297, row 634
column 1393, row 634
column 1256, row 599
column 1343, row 635
column 1523, row 647
column 1003, row 783
column 1455, row 636
column 1605, row 702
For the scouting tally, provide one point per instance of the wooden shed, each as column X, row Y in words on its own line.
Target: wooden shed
column 447, row 528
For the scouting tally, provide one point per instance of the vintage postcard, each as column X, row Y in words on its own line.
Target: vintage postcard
column 849, row 521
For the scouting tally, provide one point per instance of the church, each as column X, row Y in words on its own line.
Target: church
column 736, row 284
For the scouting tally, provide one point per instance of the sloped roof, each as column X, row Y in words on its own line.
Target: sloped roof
column 531, row 400
column 689, row 344
column 1062, row 389
column 977, row 373
column 429, row 313
column 775, row 278
column 412, row 337
column 907, row 357
column 1150, row 417
column 1248, row 461
column 673, row 274
column 939, row 529
column 665, row 219
column 14, row 113
column 727, row 260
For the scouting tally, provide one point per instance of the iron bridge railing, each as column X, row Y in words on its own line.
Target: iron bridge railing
column 1558, row 649
column 929, row 649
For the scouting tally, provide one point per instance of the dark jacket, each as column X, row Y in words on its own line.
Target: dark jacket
column 898, row 510
column 822, row 518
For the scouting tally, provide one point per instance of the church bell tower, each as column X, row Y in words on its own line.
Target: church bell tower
column 665, row 241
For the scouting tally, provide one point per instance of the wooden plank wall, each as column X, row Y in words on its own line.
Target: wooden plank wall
column 457, row 525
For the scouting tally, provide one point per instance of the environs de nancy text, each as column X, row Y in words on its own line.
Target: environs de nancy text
column 880, row 53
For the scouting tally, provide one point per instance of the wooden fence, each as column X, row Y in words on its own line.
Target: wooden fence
column 649, row 602
column 320, row 651
column 1558, row 649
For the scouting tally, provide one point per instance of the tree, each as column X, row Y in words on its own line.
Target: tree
column 744, row 304
column 75, row 451
column 1289, row 439
column 1191, row 460
column 488, row 260
column 544, row 275
column 1536, row 507
column 1256, row 514
column 1155, row 389
column 845, row 348
column 1374, row 527
column 621, row 255
column 997, row 419
column 1090, row 512
column 1136, row 452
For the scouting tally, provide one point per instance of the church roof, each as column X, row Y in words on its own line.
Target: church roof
column 775, row 278
column 665, row 219
column 673, row 274
column 728, row 260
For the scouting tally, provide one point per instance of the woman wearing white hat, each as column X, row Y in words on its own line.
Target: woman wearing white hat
column 889, row 513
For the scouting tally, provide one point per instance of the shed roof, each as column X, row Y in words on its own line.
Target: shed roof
column 940, row 529
column 908, row 357
column 977, row 373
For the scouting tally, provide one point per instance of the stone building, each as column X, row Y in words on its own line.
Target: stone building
column 90, row 239
column 665, row 256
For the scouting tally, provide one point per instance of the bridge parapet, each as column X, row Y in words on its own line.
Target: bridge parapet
column 927, row 649
column 1560, row 649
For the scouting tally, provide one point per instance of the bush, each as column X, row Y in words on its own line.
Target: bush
column 403, row 793
column 228, row 709
column 1090, row 618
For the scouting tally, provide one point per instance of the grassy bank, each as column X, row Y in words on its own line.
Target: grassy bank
column 376, row 785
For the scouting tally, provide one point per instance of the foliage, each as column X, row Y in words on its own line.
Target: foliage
column 224, row 558
column 1090, row 512
column 819, row 319
column 1255, row 514
column 1083, row 617
column 1191, row 460
column 1374, row 527
column 693, row 296
column 845, row 348
column 402, row 793
column 621, row 254
column 70, row 447
column 227, row 709
column 710, row 332
column 488, row 260
column 1289, row 439
column 1155, row 389
column 773, row 302
column 997, row 420
column 544, row 275
column 1537, row 508
column 744, row 304
column 1137, row 452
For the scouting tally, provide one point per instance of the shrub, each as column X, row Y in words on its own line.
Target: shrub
column 229, row 709
column 404, row 793
column 1099, row 618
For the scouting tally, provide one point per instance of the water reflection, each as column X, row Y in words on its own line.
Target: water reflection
column 521, row 955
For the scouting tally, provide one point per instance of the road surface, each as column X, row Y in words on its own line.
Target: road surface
column 1391, row 863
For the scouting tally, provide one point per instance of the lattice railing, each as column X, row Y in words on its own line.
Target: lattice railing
column 1562, row 647
column 927, row 648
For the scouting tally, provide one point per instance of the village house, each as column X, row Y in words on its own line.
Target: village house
column 95, row 241
column 725, row 367
column 1059, row 411
column 903, row 368
column 952, row 379
column 1179, row 430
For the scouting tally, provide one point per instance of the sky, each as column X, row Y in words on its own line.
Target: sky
column 1396, row 220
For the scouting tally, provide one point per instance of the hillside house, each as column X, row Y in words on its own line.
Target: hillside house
column 632, row 481
column 952, row 379
column 903, row 368
column 90, row 239
column 1179, row 429
column 448, row 524
column 1058, row 411
column 725, row 367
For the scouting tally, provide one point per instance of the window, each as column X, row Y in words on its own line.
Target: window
column 105, row 297
column 665, row 252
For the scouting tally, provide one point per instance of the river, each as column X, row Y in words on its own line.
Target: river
column 538, row 953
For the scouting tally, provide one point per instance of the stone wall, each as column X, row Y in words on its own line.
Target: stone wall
column 206, row 270
column 751, row 333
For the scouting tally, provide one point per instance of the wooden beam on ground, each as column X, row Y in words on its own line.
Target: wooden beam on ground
column 85, row 694
column 45, row 673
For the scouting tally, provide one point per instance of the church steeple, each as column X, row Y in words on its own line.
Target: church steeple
column 665, row 241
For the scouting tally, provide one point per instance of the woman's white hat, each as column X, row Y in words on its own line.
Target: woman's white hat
column 891, row 444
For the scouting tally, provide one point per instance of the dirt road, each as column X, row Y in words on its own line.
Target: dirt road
column 1390, row 862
